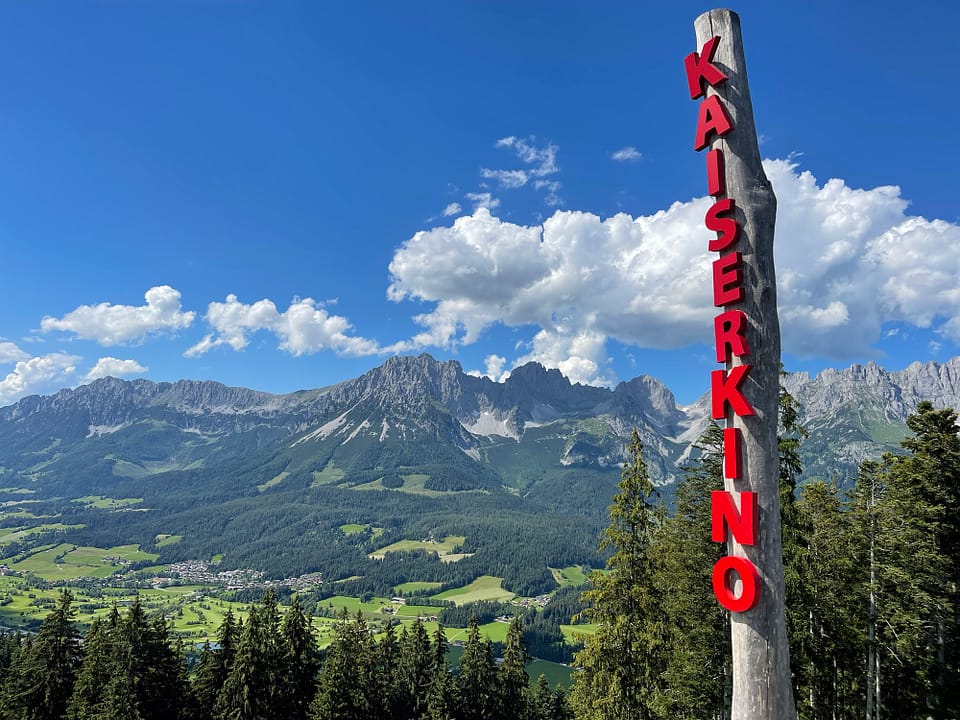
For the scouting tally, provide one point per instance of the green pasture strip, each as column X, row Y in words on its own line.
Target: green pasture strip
column 353, row 528
column 24, row 532
column 485, row 587
column 163, row 540
column 574, row 633
column 415, row 587
column 571, row 575
column 330, row 475
column 274, row 481
column 69, row 562
column 103, row 502
column 447, row 546
column 555, row 673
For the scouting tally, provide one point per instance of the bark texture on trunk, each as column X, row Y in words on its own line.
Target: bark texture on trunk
column 762, row 688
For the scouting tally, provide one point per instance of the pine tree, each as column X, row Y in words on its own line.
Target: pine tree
column 42, row 681
column 386, row 688
column 622, row 662
column 299, row 663
column 95, row 673
column 833, row 588
column 344, row 689
column 933, row 468
column 512, row 677
column 477, row 679
column 696, row 675
column 250, row 692
column 214, row 667
column 414, row 675
column 440, row 699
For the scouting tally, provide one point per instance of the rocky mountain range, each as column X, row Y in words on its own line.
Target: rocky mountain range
column 415, row 416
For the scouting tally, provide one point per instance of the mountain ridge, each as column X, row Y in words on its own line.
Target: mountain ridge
column 862, row 405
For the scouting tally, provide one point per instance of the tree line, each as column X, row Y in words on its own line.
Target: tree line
column 268, row 667
column 871, row 573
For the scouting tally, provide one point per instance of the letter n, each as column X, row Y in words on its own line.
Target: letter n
column 724, row 516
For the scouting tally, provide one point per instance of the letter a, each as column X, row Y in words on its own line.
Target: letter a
column 701, row 67
column 713, row 119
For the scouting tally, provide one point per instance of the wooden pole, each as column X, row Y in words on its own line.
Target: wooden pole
column 762, row 687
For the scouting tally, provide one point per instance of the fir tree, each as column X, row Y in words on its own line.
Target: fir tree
column 512, row 677
column 697, row 681
column 622, row 662
column 299, row 663
column 214, row 667
column 414, row 673
column 345, row 687
column 96, row 671
column 42, row 680
column 477, row 692
column 250, row 691
column 440, row 699
column 833, row 591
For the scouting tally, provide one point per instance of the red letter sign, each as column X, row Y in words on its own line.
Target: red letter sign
column 716, row 180
column 748, row 576
column 729, row 331
column 701, row 67
column 724, row 515
column 732, row 458
column 727, row 280
column 725, row 389
column 713, row 119
column 727, row 227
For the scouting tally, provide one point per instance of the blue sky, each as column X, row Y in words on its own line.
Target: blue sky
column 281, row 195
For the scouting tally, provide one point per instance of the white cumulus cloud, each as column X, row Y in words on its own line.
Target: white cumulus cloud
column 37, row 375
column 540, row 162
column 626, row 154
column 111, row 366
column 305, row 327
column 10, row 353
column 451, row 209
column 110, row 324
column 483, row 200
column 848, row 261
column 494, row 368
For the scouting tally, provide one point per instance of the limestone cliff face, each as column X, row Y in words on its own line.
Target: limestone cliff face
column 428, row 407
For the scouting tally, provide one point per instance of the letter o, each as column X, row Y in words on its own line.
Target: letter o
column 749, row 578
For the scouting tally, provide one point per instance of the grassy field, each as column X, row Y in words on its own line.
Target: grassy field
column 69, row 562
column 573, row 575
column 16, row 534
column 107, row 503
column 485, row 587
column 416, row 587
column 330, row 475
column 570, row 632
column 272, row 482
column 449, row 544
column 164, row 540
column 555, row 673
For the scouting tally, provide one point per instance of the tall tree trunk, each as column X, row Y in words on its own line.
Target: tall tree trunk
column 762, row 688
